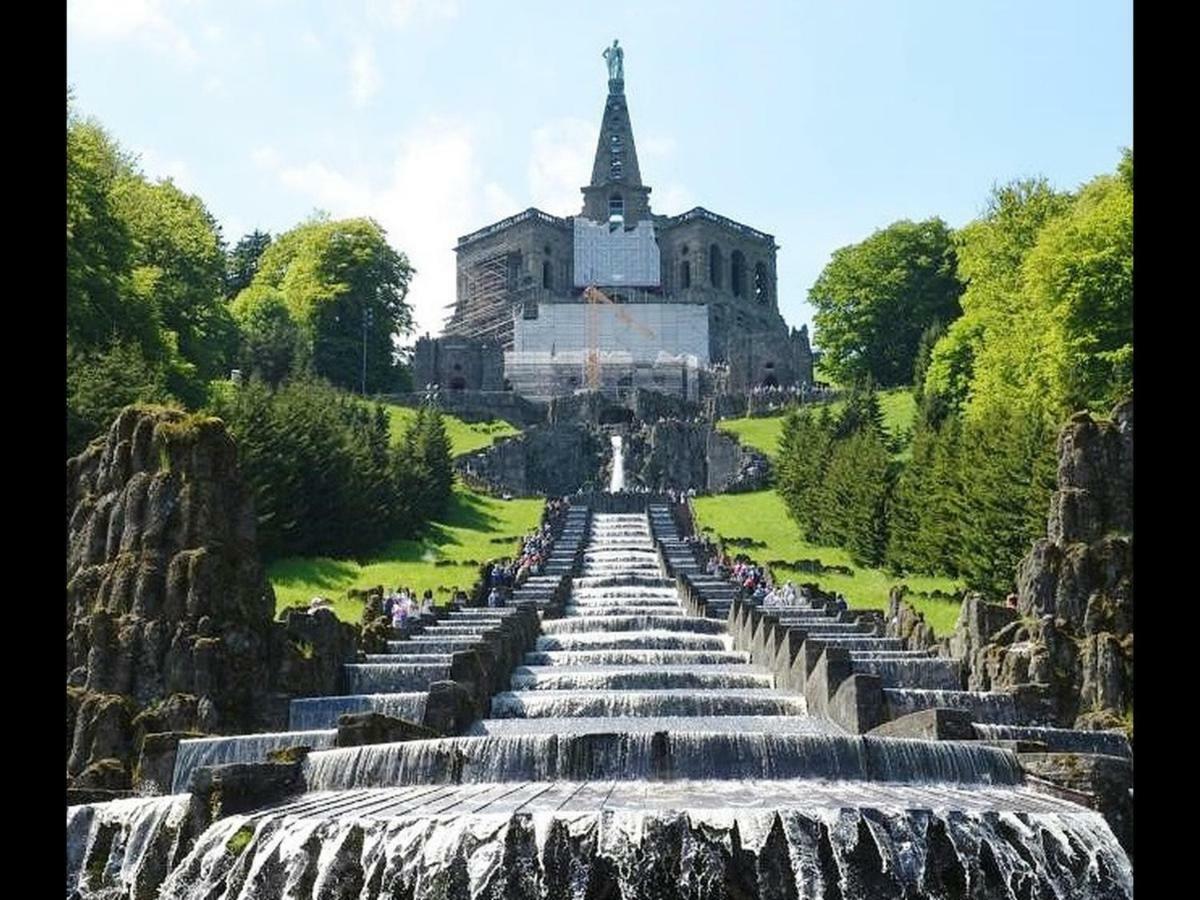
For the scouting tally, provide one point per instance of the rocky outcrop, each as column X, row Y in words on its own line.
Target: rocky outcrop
column 1071, row 633
column 553, row 460
column 169, row 611
column 905, row 622
column 676, row 454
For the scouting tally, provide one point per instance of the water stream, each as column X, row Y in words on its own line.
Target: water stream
column 617, row 480
column 635, row 754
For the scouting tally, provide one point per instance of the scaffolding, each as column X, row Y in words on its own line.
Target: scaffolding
column 484, row 310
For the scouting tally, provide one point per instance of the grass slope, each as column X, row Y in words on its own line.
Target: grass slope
column 474, row 529
column 898, row 406
column 761, row 517
column 465, row 437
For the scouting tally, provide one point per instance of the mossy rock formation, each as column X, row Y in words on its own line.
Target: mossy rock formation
column 169, row 610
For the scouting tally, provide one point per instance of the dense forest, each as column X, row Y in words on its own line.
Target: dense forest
column 1007, row 326
column 160, row 310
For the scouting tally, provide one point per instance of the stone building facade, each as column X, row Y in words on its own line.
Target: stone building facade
column 508, row 270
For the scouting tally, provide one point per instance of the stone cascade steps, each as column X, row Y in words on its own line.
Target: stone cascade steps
column 395, row 683
column 625, row 649
column 626, row 713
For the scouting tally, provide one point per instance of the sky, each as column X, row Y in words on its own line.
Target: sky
column 817, row 122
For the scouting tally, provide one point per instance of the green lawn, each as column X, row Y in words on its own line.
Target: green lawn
column 474, row 529
column 760, row 516
column 465, row 437
column 898, row 406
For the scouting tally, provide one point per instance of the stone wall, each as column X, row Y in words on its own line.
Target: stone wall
column 1071, row 635
column 682, row 455
column 552, row 460
column 169, row 612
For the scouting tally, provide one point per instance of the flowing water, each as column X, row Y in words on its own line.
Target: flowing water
column 617, row 480
column 635, row 751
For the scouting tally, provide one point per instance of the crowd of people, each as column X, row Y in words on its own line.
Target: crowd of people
column 756, row 582
column 503, row 576
column 401, row 605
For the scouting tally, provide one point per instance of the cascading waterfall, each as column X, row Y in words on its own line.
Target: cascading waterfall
column 617, row 481
column 215, row 751
column 928, row 673
column 379, row 678
column 1060, row 740
column 801, row 841
column 634, row 750
column 128, row 843
column 323, row 712
column 658, row 755
column 984, row 706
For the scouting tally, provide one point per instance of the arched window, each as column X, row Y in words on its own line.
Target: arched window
column 616, row 210
column 547, row 279
column 737, row 273
column 762, row 290
column 715, row 266
column 685, row 275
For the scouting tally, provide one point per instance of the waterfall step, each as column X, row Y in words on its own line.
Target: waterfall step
column 660, row 757
column 1060, row 740
column 929, row 673
column 984, row 706
column 383, row 678
column 633, row 640
column 395, row 658
column 620, row 678
column 426, row 647
column 634, row 657
column 725, row 702
column 311, row 713
column 240, row 748
column 580, row 624
column 640, row 725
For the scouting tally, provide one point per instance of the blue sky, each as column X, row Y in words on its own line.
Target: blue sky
column 817, row 122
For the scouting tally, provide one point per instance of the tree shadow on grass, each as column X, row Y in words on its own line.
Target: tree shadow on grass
column 320, row 572
column 468, row 511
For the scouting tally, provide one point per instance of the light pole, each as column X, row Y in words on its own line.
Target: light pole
column 366, row 322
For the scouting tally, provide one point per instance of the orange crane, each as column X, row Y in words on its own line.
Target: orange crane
column 593, row 296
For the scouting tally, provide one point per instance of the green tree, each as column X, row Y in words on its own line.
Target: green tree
column 241, row 263
column 862, row 410
column 100, row 384
column 178, row 268
column 993, row 333
column 875, row 298
column 101, row 306
column 269, row 339
column 346, row 289
column 1078, row 281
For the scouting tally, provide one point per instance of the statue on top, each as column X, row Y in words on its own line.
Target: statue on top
column 615, row 57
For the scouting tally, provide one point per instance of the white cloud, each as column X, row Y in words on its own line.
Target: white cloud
column 656, row 147
column 672, row 199
column 341, row 194
column 401, row 12
column 265, row 157
column 499, row 203
column 563, row 151
column 364, row 75
column 309, row 40
column 158, row 167
column 144, row 21
column 431, row 193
